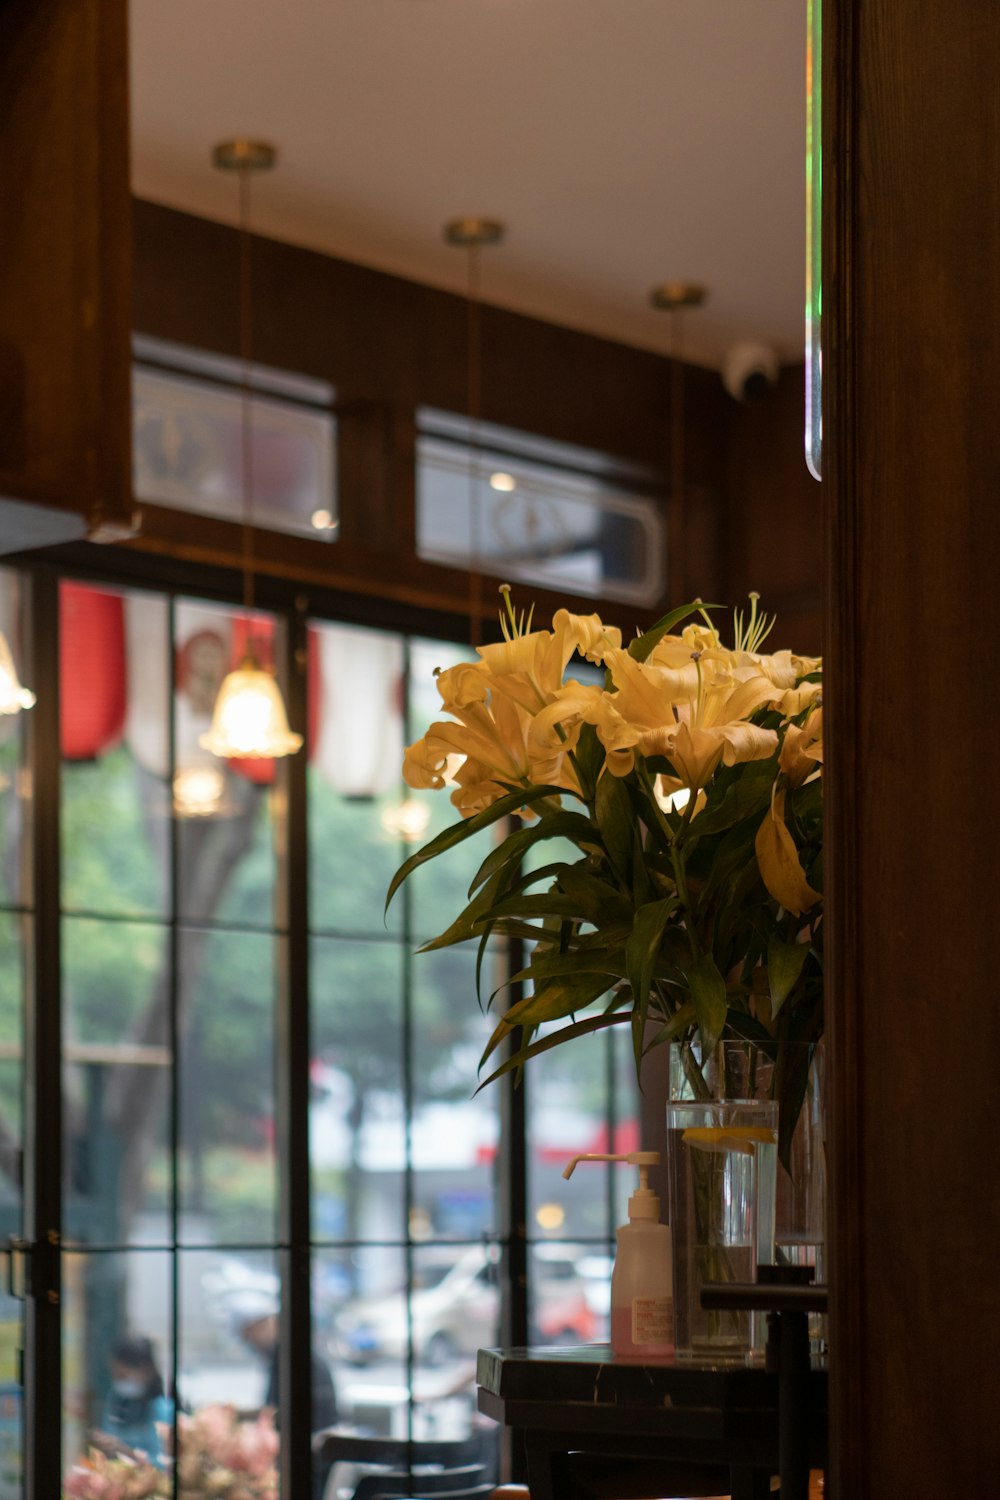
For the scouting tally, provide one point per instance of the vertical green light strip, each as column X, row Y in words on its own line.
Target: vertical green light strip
column 814, row 262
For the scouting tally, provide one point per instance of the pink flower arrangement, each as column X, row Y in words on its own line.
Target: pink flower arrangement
column 220, row 1456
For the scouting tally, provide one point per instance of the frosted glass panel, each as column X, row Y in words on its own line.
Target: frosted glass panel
column 537, row 522
column 187, row 440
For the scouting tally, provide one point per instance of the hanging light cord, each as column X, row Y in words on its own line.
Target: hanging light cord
column 245, row 173
column 676, row 529
column 473, row 387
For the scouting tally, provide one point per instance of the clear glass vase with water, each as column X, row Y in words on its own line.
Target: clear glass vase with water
column 722, row 1145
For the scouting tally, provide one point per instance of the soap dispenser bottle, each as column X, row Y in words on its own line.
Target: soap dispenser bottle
column 642, row 1292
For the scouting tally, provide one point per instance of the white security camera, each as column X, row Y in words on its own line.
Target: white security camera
column 749, row 371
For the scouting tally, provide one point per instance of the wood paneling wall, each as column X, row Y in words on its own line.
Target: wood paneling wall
column 389, row 346
column 773, row 536
column 912, row 548
column 64, row 249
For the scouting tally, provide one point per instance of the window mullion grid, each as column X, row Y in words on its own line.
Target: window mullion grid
column 174, row 1030
column 44, row 1142
column 292, row 1096
column 408, row 1030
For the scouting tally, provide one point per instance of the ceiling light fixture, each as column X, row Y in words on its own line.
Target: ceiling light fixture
column 471, row 234
column 13, row 697
column 249, row 721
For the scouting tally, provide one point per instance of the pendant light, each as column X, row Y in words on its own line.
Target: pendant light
column 470, row 234
column 249, row 721
column 13, row 697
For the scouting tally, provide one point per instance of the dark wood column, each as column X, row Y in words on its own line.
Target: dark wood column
column 65, row 251
column 912, row 362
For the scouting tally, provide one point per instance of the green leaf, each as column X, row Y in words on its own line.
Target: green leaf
column 743, row 799
column 708, row 994
column 641, row 647
column 643, row 947
column 556, row 999
column 467, row 922
column 675, row 1027
column 529, row 904
column 614, row 818
column 547, row 1043
column 599, row 903
column 567, row 825
column 460, row 831
column 546, row 966
column 784, row 965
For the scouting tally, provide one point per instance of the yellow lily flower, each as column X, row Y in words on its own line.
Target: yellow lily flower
column 780, row 867
column 694, row 714
column 802, row 749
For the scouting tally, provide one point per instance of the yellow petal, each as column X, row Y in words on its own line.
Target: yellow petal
column 778, row 859
column 742, row 1139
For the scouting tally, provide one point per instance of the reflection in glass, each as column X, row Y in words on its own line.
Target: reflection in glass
column 116, row 1074
column 227, row 857
column 454, row 1132
column 187, row 434
column 814, row 240
column 357, row 1125
column 354, row 782
column 227, row 1008
column 112, row 1397
column 15, row 801
column 15, row 936
column 114, row 735
column 543, row 513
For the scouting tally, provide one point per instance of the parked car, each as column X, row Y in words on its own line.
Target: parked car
column 455, row 1307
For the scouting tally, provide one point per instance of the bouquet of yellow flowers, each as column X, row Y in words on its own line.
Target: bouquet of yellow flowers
column 689, row 786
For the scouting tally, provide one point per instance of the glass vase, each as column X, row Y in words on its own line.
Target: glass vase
column 722, row 1142
column 800, row 1199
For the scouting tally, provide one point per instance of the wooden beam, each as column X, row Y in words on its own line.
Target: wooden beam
column 912, row 547
column 65, row 305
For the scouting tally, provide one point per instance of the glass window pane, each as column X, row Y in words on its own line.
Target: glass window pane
column 228, row 987
column 114, row 663
column 536, row 512
column 570, row 1293
column 118, row 1383
column 116, row 1080
column 15, row 940
column 357, row 1136
column 356, row 839
column 455, row 1305
column 438, row 891
column 15, row 800
column 188, row 451
column 230, row 813
column 455, row 1131
column 367, row 1340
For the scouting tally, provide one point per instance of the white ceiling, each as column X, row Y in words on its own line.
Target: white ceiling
column 624, row 142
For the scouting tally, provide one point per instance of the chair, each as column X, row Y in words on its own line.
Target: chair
column 402, row 1470
column 457, row 1484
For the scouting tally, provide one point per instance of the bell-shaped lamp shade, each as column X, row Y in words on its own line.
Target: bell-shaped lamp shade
column 13, row 697
column 249, row 720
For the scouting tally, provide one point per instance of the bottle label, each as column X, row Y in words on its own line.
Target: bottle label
column 652, row 1320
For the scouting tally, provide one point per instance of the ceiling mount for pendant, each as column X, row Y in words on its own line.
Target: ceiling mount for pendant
column 671, row 296
column 244, row 155
column 472, row 230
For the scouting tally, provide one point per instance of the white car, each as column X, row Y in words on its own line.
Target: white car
column 455, row 1307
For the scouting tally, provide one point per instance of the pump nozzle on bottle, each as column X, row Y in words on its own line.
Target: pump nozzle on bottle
column 642, row 1311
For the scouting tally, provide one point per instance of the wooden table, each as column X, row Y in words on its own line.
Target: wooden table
column 593, row 1428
